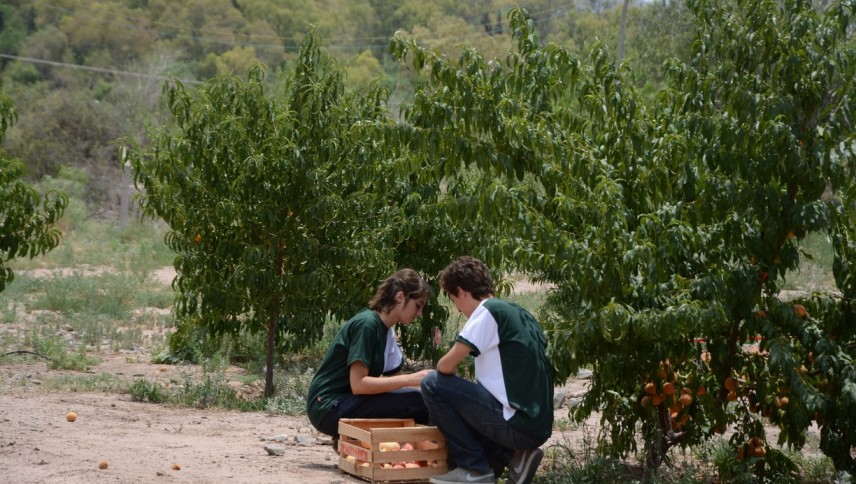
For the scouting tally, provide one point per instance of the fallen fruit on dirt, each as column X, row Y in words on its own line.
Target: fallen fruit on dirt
column 71, row 416
column 102, row 464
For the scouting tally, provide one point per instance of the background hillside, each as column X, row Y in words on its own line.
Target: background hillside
column 86, row 75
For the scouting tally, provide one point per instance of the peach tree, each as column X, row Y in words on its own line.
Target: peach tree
column 27, row 219
column 669, row 228
column 284, row 208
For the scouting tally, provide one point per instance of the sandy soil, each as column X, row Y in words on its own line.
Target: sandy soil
column 145, row 442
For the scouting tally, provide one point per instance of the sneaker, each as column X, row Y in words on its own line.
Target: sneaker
column 522, row 468
column 459, row 474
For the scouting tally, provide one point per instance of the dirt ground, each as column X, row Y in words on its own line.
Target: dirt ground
column 144, row 442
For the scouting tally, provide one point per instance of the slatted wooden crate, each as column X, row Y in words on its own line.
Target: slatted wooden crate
column 360, row 454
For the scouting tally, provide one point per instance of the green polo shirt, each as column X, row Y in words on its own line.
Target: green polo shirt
column 362, row 338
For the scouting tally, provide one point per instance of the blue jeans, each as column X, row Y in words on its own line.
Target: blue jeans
column 470, row 418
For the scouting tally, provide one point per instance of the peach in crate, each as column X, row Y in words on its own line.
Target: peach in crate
column 391, row 450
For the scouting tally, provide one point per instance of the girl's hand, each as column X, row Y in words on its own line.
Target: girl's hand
column 418, row 376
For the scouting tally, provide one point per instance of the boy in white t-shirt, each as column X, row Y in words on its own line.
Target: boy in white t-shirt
column 502, row 418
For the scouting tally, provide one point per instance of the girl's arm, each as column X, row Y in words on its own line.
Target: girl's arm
column 363, row 384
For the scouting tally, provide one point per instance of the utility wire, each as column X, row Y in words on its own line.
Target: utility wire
column 553, row 13
column 94, row 69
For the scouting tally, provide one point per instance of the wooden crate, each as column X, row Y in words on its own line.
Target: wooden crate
column 360, row 451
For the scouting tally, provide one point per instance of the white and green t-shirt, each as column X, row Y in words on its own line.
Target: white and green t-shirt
column 510, row 353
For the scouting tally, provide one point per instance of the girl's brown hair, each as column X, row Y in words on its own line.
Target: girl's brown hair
column 407, row 281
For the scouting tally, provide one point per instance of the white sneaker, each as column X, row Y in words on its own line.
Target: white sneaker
column 459, row 474
column 522, row 468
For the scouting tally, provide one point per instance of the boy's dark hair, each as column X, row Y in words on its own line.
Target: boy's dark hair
column 467, row 273
column 407, row 281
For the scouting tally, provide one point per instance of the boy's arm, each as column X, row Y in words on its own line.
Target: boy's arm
column 449, row 362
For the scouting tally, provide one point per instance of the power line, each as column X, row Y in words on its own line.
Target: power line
column 95, row 69
column 551, row 14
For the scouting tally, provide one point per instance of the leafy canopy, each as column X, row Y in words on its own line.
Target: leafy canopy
column 668, row 228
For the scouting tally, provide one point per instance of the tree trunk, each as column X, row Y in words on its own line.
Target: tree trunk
column 271, row 335
column 271, row 344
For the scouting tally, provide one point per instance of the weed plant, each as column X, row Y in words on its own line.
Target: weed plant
column 8, row 312
column 211, row 391
column 15, row 297
column 57, row 351
column 142, row 390
column 566, row 462
column 75, row 382
column 291, row 383
column 106, row 294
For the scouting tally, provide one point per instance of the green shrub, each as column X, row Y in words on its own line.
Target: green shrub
column 56, row 349
column 142, row 390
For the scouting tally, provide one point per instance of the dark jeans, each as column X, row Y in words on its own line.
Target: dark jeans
column 470, row 418
column 398, row 404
